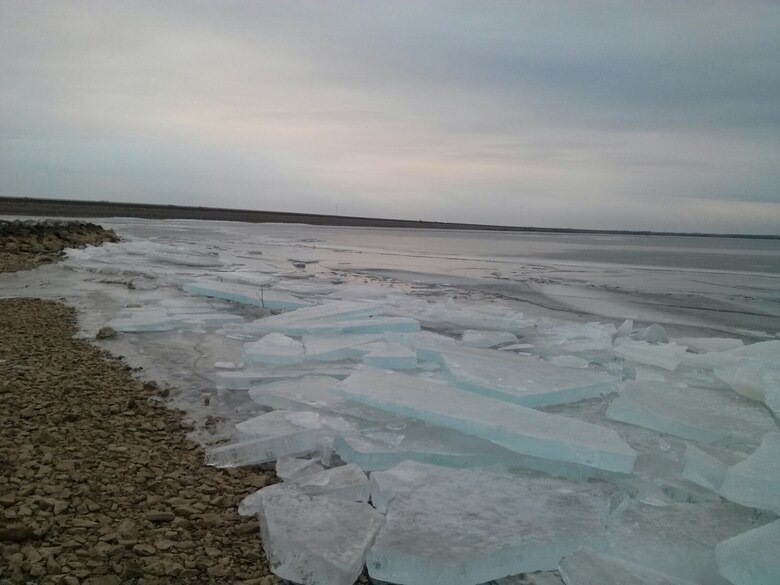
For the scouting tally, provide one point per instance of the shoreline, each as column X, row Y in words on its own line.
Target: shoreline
column 100, row 484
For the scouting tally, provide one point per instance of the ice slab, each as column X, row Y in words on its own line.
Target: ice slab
column 707, row 466
column 588, row 567
column 752, row 558
column 331, row 348
column 316, row 540
column 755, row 482
column 452, row 315
column 697, row 414
column 389, row 356
column 524, row 380
column 329, row 311
column 569, row 361
column 678, row 539
column 246, row 277
column 280, row 422
column 244, row 379
column 346, row 482
column 667, row 356
column 243, row 294
column 264, row 449
column 707, row 344
column 764, row 351
column 328, row 327
column 654, row 333
column 755, row 380
column 274, row 348
column 575, row 338
column 288, row 468
column 461, row 527
column 486, row 339
column 512, row 426
column 143, row 320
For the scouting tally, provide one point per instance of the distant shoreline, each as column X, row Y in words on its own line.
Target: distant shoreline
column 74, row 208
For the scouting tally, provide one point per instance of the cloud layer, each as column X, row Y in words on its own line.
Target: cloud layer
column 662, row 115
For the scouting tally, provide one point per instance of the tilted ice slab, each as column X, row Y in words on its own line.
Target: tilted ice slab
column 667, row 355
column 574, row 338
column 678, row 539
column 244, row 379
column 752, row 558
column 707, row 466
column 329, row 311
column 264, row 449
column 346, row 482
column 708, row 344
column 757, row 380
column 331, row 348
column 461, row 527
column 524, row 380
column 328, row 327
column 288, row 468
column 274, row 348
column 153, row 319
column 316, row 540
column 512, row 426
column 588, row 567
column 245, row 295
column 755, row 481
column 390, row 356
column 697, row 414
column 280, row 422
column 452, row 315
column 764, row 351
column 486, row 339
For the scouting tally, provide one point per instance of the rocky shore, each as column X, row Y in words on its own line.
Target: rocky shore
column 26, row 244
column 99, row 483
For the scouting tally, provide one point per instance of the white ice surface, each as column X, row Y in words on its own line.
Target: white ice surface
column 275, row 349
column 751, row 558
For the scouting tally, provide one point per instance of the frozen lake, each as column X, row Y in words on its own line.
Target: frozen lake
column 625, row 389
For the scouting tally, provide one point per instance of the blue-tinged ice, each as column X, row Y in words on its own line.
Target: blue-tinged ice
column 696, row 414
column 328, row 311
column 347, row 482
column 363, row 325
column 755, row 482
column 244, row 379
column 666, row 355
column 275, row 349
column 243, row 294
column 678, row 539
column 462, row 527
column 517, row 428
column 751, row 558
column 280, row 422
column 588, row 567
column 331, row 348
column 524, row 380
column 707, row 466
column 757, row 380
column 288, row 468
column 264, row 449
column 389, row 356
column 486, row 339
column 316, row 540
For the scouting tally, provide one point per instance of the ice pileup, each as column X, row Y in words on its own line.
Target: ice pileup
column 488, row 444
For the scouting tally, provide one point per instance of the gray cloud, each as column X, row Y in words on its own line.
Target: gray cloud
column 594, row 114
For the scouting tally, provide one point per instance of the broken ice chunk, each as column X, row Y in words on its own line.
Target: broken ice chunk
column 707, row 466
column 588, row 567
column 697, row 414
column 274, row 348
column 568, row 361
column 288, row 468
column 667, row 356
column 517, row 428
column 678, row 539
column 751, row 558
column 652, row 334
column 331, row 348
column 280, row 422
column 486, row 339
column 244, row 379
column 765, row 352
column 246, row 295
column 335, row 310
column 625, row 328
column 755, row 482
column 707, row 344
column 755, row 380
column 346, row 482
column 524, row 380
column 390, row 356
column 316, row 540
column 461, row 527
column 327, row 327
column 256, row 451
column 143, row 320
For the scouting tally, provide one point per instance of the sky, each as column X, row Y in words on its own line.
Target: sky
column 660, row 115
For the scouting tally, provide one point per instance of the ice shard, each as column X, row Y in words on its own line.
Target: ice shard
column 751, row 558
column 667, row 355
column 288, row 468
column 390, row 356
column 697, row 414
column 245, row 295
column 274, row 349
column 364, row 325
column 486, row 339
column 331, row 348
column 316, row 540
column 755, row 482
column 461, row 527
column 512, row 426
column 524, row 380
column 244, row 379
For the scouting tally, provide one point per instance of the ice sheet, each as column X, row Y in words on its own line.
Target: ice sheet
column 512, row 426
column 523, row 380
column 486, row 339
column 755, row 482
column 697, row 414
column 331, row 348
column 390, row 356
column 494, row 524
column 316, row 540
column 667, row 355
column 331, row 327
column 274, row 349
column 246, row 295
column 588, row 567
column 751, row 558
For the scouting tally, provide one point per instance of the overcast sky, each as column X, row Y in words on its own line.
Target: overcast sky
column 647, row 115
